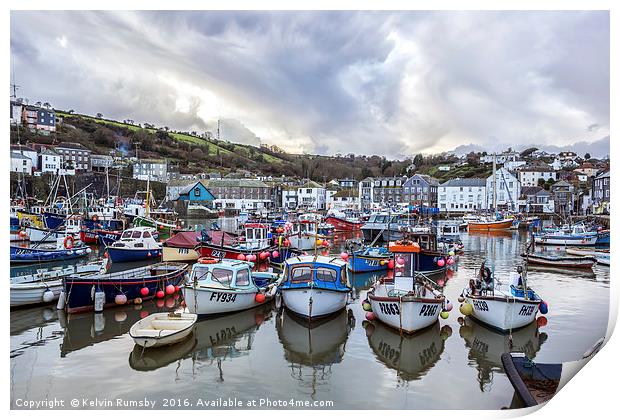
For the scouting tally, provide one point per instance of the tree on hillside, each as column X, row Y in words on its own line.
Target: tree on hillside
column 99, row 115
column 587, row 156
column 528, row 152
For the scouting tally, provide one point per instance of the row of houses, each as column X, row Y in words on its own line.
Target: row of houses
column 66, row 156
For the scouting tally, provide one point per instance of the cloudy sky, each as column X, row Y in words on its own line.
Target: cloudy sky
column 328, row 82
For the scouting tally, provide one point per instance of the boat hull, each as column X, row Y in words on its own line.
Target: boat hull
column 179, row 254
column 118, row 255
column 313, row 302
column 564, row 262
column 565, row 240
column 219, row 252
column 32, row 293
column 405, row 315
column 503, row 313
column 34, row 255
column 343, row 225
column 365, row 263
column 44, row 235
column 489, row 226
column 206, row 301
column 80, row 291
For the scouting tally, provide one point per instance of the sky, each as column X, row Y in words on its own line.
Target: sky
column 385, row 83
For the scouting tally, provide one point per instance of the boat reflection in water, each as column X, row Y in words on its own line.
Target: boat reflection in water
column 89, row 328
column 316, row 345
column 144, row 360
column 213, row 340
column 486, row 347
column 410, row 355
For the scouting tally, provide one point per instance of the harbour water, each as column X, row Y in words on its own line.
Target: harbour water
column 266, row 353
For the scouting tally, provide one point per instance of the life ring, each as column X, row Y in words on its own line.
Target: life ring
column 69, row 241
column 207, row 260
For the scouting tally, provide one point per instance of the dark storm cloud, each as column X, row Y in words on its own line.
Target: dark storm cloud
column 336, row 82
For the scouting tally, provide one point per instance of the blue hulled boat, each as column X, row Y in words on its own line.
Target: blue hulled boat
column 369, row 259
column 315, row 286
column 45, row 253
column 283, row 253
column 135, row 244
column 603, row 238
column 83, row 292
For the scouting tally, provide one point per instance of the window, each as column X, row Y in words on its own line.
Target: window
column 136, row 234
column 301, row 274
column 146, row 234
column 126, row 234
column 197, row 192
column 326, row 274
column 222, row 276
column 243, row 278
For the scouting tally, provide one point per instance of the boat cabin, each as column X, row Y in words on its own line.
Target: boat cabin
column 138, row 237
column 318, row 272
column 257, row 235
column 225, row 274
column 405, row 254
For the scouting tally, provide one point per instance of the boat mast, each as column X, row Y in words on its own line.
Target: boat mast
column 148, row 184
column 494, row 184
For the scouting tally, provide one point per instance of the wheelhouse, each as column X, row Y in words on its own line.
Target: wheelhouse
column 316, row 272
column 225, row 274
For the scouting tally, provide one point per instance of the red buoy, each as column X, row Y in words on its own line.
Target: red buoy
column 260, row 298
column 160, row 294
column 144, row 291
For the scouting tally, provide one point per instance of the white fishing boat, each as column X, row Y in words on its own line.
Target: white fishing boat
column 315, row 286
column 45, row 285
column 71, row 227
column 303, row 234
column 577, row 236
column 505, row 307
column 162, row 329
column 218, row 287
column 601, row 256
column 563, row 261
column 408, row 302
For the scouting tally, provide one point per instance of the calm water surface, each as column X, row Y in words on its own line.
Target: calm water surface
column 267, row 353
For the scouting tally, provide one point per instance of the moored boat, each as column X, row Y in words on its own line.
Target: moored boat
column 490, row 225
column 181, row 247
column 64, row 249
column 407, row 302
column 577, row 235
column 315, row 286
column 505, row 307
column 374, row 258
column 135, row 244
column 162, row 329
column 218, row 287
column 45, row 286
column 564, row 261
column 85, row 292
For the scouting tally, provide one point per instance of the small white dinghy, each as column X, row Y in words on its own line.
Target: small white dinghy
column 162, row 329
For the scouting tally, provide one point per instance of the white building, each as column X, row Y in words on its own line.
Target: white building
column 49, row 161
column 311, row 196
column 512, row 165
column 289, row 198
column 20, row 163
column 29, row 152
column 155, row 169
column 529, row 175
column 508, row 190
column 365, row 193
column 239, row 193
column 462, row 195
column 343, row 199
